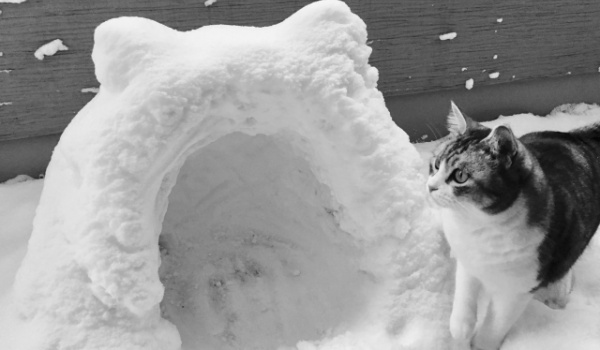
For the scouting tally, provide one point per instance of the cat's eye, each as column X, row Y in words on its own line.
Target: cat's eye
column 436, row 164
column 460, row 176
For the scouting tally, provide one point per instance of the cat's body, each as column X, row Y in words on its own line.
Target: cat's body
column 571, row 164
column 517, row 214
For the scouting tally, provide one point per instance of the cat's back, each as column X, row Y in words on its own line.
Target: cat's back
column 570, row 162
column 584, row 139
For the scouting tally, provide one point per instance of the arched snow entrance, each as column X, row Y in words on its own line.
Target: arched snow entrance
column 252, row 256
column 294, row 105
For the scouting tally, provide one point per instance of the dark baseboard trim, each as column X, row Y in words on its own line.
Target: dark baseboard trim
column 418, row 115
column 26, row 156
column 425, row 114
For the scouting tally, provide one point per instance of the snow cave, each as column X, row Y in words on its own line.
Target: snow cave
column 242, row 188
column 220, row 192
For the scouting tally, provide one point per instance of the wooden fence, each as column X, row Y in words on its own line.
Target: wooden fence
column 495, row 43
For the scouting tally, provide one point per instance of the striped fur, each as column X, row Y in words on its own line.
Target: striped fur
column 519, row 211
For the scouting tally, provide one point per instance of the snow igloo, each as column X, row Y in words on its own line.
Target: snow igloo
column 233, row 188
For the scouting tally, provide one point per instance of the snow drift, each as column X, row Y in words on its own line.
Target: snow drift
column 295, row 204
column 245, row 188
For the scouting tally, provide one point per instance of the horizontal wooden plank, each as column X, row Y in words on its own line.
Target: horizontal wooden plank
column 422, row 116
column 28, row 156
column 533, row 39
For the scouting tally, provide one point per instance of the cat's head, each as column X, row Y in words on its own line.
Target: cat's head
column 476, row 167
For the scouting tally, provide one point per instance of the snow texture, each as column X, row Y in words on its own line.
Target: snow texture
column 448, row 36
column 50, row 49
column 243, row 188
column 469, row 84
column 261, row 156
column 297, row 219
column 12, row 2
column 91, row 90
column 494, row 75
column 209, row 2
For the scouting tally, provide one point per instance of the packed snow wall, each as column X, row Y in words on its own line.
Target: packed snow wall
column 294, row 175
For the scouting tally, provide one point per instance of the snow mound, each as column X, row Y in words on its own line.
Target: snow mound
column 295, row 206
column 562, row 118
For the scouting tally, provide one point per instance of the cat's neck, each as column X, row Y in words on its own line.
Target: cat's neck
column 476, row 219
column 538, row 198
column 495, row 247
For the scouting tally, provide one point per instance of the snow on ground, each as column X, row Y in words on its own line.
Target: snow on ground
column 248, row 234
column 242, row 188
column 265, row 256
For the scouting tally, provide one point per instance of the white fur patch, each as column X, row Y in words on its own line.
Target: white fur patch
column 443, row 195
column 500, row 250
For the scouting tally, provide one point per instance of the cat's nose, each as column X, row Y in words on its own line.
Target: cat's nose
column 431, row 188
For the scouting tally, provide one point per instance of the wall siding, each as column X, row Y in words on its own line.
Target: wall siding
column 535, row 39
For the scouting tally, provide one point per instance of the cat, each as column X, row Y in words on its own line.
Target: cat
column 517, row 214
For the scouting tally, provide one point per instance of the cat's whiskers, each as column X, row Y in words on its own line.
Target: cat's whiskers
column 461, row 205
column 436, row 134
column 442, row 200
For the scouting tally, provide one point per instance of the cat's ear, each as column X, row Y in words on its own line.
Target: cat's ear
column 503, row 142
column 457, row 122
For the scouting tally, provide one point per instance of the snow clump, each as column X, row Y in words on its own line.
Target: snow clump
column 50, row 49
column 233, row 188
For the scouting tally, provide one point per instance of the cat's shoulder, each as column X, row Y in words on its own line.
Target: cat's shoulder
column 546, row 137
column 589, row 132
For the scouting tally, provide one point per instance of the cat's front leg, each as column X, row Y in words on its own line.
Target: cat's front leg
column 503, row 311
column 556, row 295
column 464, row 307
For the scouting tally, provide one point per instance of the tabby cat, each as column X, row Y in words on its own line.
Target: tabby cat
column 517, row 213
